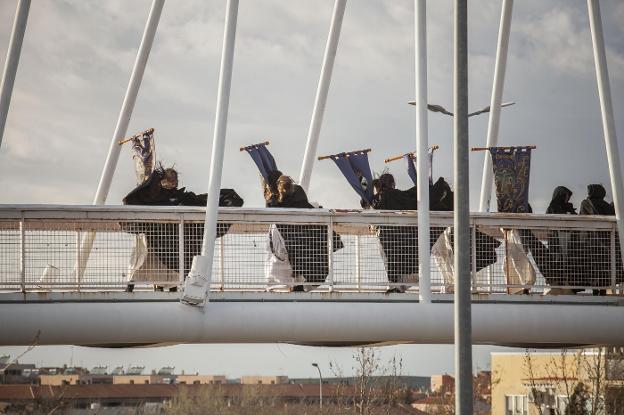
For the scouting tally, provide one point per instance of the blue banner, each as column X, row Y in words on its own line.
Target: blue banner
column 144, row 149
column 355, row 168
column 263, row 159
column 512, row 168
column 410, row 158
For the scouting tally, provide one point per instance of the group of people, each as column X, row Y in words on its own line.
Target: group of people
column 576, row 258
column 298, row 253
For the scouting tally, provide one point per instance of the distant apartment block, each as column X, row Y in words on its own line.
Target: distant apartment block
column 263, row 380
column 200, row 380
column 442, row 384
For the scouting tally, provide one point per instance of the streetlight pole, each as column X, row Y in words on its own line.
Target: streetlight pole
column 320, row 386
column 461, row 222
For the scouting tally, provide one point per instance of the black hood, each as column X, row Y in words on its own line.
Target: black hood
column 560, row 194
column 596, row 191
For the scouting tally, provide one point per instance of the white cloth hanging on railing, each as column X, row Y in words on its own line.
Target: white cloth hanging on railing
column 277, row 269
column 516, row 263
column 442, row 253
column 144, row 266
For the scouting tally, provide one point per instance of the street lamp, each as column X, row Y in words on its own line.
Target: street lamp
column 440, row 108
column 320, row 386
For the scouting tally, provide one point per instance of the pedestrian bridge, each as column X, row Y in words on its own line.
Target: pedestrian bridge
column 65, row 271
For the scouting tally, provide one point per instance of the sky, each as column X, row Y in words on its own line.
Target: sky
column 76, row 63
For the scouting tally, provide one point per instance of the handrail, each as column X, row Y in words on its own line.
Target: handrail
column 271, row 215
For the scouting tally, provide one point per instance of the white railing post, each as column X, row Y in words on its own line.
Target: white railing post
column 22, row 260
column 473, row 256
column 330, row 253
column 358, row 270
column 495, row 103
column 321, row 94
column 221, row 263
column 422, row 159
column 121, row 128
column 181, row 252
column 12, row 60
column 197, row 284
column 606, row 110
column 77, row 270
column 613, row 258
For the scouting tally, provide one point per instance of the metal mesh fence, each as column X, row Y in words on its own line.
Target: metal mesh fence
column 322, row 251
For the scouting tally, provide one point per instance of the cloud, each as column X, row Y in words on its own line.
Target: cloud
column 561, row 38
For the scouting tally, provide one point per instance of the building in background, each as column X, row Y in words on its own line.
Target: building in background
column 548, row 383
column 263, row 380
column 442, row 384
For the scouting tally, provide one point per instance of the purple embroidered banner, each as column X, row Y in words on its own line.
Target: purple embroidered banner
column 512, row 167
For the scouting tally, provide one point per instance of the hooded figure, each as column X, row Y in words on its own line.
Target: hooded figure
column 162, row 239
column 306, row 245
column 560, row 203
column 598, row 243
column 595, row 203
column 561, row 262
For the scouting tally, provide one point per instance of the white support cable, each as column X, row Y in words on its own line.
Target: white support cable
column 422, row 144
column 12, row 61
column 321, row 94
column 606, row 110
column 198, row 282
column 495, row 103
column 122, row 124
column 128, row 103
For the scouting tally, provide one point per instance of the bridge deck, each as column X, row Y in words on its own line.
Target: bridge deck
column 117, row 319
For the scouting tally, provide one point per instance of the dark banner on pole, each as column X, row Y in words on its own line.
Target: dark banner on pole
column 144, row 156
column 410, row 158
column 356, row 169
column 512, row 167
column 263, row 159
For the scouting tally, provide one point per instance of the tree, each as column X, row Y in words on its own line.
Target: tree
column 588, row 382
column 579, row 400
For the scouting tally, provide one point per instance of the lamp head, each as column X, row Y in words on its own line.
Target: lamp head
column 315, row 364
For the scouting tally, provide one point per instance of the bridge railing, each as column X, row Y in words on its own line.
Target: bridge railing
column 42, row 248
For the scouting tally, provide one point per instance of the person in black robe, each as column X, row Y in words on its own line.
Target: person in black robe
column 399, row 243
column 561, row 262
column 307, row 245
column 161, row 189
column 598, row 243
column 560, row 203
column 595, row 203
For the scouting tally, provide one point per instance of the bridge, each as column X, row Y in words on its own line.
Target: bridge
column 54, row 292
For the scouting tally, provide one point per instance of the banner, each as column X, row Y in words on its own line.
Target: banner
column 261, row 155
column 144, row 156
column 512, row 166
column 355, row 168
column 410, row 159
